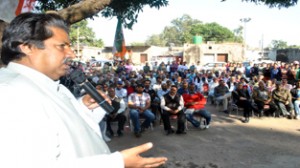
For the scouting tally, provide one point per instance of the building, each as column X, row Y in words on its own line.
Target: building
column 190, row 53
column 212, row 52
column 142, row 54
column 285, row 55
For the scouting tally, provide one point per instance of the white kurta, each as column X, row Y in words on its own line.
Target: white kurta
column 43, row 125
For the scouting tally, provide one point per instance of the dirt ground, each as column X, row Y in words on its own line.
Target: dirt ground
column 228, row 143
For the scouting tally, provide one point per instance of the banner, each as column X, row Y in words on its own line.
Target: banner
column 9, row 9
column 119, row 48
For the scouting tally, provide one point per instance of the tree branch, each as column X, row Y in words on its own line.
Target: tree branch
column 83, row 10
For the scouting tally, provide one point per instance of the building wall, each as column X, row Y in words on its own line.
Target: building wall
column 291, row 54
column 272, row 55
column 294, row 55
column 191, row 53
column 89, row 52
column 194, row 52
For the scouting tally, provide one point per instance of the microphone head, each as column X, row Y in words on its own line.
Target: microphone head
column 77, row 76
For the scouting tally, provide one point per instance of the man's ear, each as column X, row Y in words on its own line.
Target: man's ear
column 26, row 49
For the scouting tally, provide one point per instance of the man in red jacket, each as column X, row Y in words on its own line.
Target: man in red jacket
column 195, row 105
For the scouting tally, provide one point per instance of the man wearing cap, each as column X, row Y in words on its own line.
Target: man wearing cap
column 283, row 99
column 195, row 105
column 139, row 103
column 120, row 91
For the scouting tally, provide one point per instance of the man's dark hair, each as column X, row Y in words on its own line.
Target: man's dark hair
column 30, row 29
column 147, row 80
column 174, row 86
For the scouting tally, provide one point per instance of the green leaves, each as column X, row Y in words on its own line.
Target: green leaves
column 128, row 10
column 84, row 35
column 275, row 3
column 183, row 30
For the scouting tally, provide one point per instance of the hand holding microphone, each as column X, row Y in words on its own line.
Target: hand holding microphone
column 78, row 77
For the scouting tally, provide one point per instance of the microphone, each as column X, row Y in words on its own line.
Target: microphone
column 78, row 77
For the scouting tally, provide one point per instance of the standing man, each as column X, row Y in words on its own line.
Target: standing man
column 172, row 104
column 146, row 68
column 42, row 123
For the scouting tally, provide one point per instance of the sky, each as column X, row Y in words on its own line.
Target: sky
column 266, row 23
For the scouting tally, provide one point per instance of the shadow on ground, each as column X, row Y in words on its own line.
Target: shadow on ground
column 262, row 143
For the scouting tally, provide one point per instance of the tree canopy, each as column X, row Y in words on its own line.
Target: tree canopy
column 76, row 10
column 128, row 10
column 183, row 30
column 84, row 35
column 274, row 3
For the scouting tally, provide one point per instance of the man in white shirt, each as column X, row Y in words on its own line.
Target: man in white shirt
column 42, row 123
column 118, row 113
column 172, row 104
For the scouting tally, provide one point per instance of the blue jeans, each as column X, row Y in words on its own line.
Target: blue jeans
column 297, row 108
column 203, row 113
column 135, row 117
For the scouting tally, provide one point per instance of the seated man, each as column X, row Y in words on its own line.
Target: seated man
column 194, row 102
column 211, row 87
column 172, row 104
column 164, row 90
column 183, row 88
column 118, row 113
column 242, row 99
column 286, row 85
column 262, row 97
column 120, row 91
column 155, row 107
column 139, row 103
column 283, row 99
column 295, row 92
column 221, row 93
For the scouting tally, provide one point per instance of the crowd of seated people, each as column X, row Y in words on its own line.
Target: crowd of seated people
column 266, row 89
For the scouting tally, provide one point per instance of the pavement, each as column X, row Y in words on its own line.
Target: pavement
column 228, row 143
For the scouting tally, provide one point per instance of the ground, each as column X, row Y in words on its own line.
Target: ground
column 228, row 143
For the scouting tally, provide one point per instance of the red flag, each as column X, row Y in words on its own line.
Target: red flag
column 9, row 9
column 24, row 6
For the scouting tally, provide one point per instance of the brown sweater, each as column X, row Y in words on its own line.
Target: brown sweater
column 282, row 95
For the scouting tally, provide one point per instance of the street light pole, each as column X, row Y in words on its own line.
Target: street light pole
column 245, row 21
column 77, row 41
column 262, row 46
